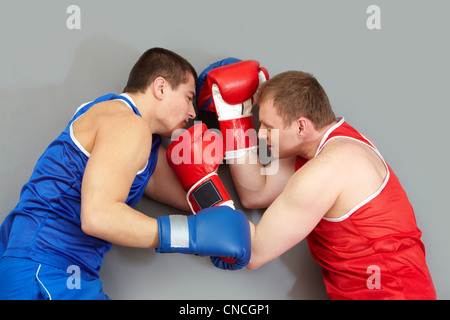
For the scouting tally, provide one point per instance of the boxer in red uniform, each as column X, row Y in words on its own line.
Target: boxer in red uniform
column 332, row 187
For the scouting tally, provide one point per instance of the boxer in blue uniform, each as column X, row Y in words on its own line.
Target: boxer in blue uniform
column 80, row 197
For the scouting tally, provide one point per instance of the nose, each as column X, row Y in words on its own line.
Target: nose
column 191, row 111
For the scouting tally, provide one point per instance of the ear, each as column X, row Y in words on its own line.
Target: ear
column 303, row 125
column 159, row 86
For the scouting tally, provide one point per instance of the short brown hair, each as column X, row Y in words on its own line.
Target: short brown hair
column 296, row 94
column 159, row 62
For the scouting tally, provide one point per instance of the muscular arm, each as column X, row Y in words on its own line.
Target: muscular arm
column 121, row 149
column 307, row 197
column 258, row 185
column 164, row 186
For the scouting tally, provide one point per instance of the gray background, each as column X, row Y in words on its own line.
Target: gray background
column 392, row 84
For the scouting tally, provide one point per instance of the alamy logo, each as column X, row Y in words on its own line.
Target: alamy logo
column 374, row 280
column 374, row 20
column 74, row 281
column 73, row 22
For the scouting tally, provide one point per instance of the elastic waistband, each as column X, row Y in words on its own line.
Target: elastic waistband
column 59, row 264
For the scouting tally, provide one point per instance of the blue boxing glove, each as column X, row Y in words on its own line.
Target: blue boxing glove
column 203, row 95
column 217, row 232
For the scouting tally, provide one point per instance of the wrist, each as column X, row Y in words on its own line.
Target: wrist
column 208, row 192
column 174, row 234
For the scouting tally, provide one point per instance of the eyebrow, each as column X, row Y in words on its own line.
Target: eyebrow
column 192, row 94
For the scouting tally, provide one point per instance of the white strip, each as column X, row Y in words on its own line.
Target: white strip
column 37, row 277
column 72, row 135
column 362, row 203
column 77, row 143
column 237, row 154
column 179, row 231
column 140, row 171
column 131, row 107
column 129, row 98
column 370, row 142
column 229, row 203
column 325, row 137
column 81, row 107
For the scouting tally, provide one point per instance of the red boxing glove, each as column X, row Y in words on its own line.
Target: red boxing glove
column 195, row 157
column 233, row 88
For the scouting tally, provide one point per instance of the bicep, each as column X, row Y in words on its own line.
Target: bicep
column 307, row 197
column 116, row 157
column 259, row 187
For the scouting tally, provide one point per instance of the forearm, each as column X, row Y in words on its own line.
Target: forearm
column 254, row 262
column 120, row 224
column 248, row 177
column 264, row 244
column 169, row 194
column 163, row 186
column 257, row 185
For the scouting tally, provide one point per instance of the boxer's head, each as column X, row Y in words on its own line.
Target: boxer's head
column 298, row 94
column 168, row 81
column 159, row 62
column 293, row 107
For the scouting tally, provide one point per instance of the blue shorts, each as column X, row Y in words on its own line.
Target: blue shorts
column 24, row 279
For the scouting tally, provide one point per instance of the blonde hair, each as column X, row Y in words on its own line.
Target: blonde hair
column 298, row 94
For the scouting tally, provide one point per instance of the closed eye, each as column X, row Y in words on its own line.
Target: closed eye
column 191, row 96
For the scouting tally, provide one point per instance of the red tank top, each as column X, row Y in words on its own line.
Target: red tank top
column 374, row 251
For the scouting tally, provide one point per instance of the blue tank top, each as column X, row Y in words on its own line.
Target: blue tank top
column 45, row 225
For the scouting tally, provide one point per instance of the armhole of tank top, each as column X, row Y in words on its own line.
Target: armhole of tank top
column 325, row 137
column 78, row 144
column 141, row 171
column 72, row 135
column 373, row 195
column 129, row 106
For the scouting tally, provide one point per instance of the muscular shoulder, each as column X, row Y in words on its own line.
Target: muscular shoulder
column 340, row 146
column 357, row 169
column 120, row 130
column 109, row 119
column 345, row 152
column 116, row 118
column 326, row 173
column 113, row 111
